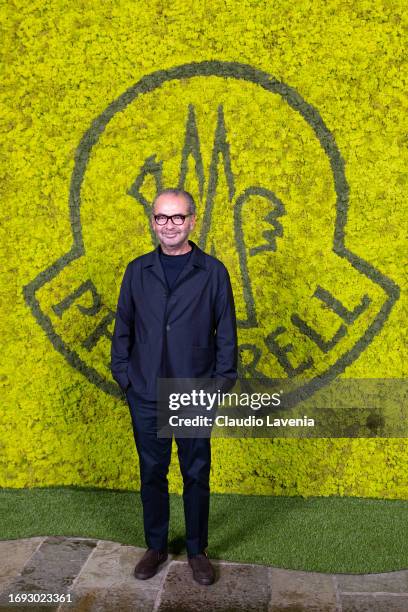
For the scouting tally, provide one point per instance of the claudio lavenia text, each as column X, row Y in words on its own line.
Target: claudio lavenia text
column 249, row 421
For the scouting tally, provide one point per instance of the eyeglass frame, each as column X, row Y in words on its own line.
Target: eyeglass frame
column 171, row 217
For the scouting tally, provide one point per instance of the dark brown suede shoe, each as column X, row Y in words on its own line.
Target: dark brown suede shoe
column 149, row 564
column 203, row 571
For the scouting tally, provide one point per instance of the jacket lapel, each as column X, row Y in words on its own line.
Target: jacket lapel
column 154, row 265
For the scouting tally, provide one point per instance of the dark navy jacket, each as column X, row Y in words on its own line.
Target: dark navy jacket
column 188, row 332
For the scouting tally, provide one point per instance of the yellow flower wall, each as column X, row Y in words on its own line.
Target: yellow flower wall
column 295, row 109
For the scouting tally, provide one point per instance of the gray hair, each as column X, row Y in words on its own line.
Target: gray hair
column 178, row 192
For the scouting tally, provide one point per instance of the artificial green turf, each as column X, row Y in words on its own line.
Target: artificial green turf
column 323, row 534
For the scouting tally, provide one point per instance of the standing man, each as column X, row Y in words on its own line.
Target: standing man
column 175, row 319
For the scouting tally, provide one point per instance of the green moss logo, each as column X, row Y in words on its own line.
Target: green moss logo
column 272, row 201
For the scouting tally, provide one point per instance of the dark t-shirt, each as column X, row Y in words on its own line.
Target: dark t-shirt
column 173, row 265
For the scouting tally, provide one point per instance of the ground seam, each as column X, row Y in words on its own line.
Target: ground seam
column 270, row 583
column 72, row 586
column 22, row 569
column 374, row 593
column 339, row 607
column 157, row 601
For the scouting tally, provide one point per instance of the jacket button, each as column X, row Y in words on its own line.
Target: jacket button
column 168, row 327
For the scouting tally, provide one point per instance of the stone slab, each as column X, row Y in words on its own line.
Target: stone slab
column 237, row 588
column 113, row 563
column 300, row 591
column 14, row 554
column 110, row 600
column 106, row 582
column 374, row 603
column 391, row 582
column 51, row 569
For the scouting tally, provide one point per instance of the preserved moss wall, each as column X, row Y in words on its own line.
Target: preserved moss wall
column 287, row 121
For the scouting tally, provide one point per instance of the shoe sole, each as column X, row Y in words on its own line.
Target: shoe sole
column 204, row 582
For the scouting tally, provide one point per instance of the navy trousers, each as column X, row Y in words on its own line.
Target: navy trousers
column 194, row 456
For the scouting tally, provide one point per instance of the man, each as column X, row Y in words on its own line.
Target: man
column 175, row 319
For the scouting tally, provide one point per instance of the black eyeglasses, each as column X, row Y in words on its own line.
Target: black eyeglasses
column 176, row 219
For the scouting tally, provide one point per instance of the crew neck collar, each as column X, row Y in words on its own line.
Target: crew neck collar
column 163, row 254
column 197, row 259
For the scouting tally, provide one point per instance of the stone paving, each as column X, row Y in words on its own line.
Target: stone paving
column 97, row 575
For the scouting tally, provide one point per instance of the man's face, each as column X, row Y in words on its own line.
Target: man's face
column 171, row 235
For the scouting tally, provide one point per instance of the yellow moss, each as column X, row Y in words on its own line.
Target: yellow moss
column 64, row 63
